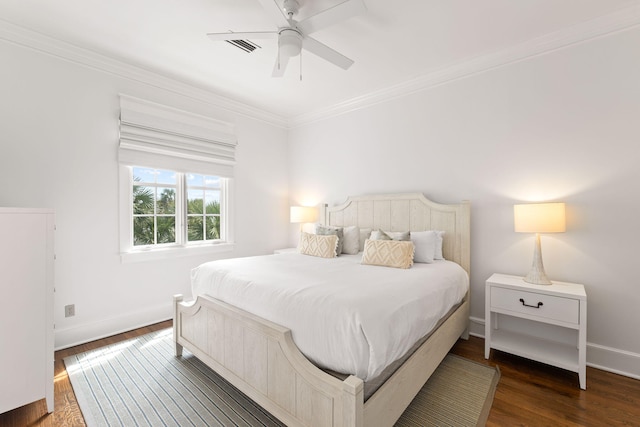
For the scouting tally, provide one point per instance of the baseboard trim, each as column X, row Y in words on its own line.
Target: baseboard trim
column 476, row 327
column 601, row 357
column 613, row 360
column 83, row 333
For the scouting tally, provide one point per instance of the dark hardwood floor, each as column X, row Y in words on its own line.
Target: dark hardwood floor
column 529, row 393
column 534, row 394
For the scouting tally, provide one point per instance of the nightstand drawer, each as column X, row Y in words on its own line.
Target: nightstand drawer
column 533, row 304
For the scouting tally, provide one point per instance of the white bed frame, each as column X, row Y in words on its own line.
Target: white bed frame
column 261, row 359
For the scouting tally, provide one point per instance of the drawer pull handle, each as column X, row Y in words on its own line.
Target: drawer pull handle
column 527, row 305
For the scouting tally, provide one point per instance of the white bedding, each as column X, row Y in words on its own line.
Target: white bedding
column 344, row 316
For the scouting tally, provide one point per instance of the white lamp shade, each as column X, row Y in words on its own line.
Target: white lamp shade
column 539, row 218
column 302, row 214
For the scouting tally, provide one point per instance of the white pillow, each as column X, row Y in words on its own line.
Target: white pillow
column 351, row 240
column 425, row 243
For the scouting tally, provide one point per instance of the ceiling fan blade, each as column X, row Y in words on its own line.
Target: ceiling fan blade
column 279, row 71
column 243, row 36
column 326, row 53
column 274, row 10
column 333, row 15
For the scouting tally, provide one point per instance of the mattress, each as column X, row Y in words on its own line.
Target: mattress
column 344, row 316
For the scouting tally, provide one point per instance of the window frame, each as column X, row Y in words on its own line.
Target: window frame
column 182, row 247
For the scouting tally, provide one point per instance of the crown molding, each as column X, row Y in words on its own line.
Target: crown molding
column 30, row 39
column 622, row 19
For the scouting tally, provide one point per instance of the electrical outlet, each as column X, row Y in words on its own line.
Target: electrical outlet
column 69, row 310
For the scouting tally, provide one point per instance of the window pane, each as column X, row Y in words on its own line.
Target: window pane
column 212, row 201
column 194, row 201
column 212, row 181
column 166, row 201
column 213, row 227
column 142, row 199
column 165, row 177
column 166, row 229
column 194, row 232
column 194, row 180
column 144, row 174
column 142, row 230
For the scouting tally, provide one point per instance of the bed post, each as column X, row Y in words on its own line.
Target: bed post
column 353, row 402
column 177, row 299
column 323, row 214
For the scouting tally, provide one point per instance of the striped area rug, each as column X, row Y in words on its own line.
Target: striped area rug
column 139, row 382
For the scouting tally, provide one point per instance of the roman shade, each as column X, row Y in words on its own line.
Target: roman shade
column 163, row 137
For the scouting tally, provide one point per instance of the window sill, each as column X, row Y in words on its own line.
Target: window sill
column 174, row 252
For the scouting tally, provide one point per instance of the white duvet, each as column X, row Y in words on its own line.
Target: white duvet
column 344, row 316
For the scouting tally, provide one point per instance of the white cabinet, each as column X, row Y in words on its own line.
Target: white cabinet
column 26, row 317
column 561, row 307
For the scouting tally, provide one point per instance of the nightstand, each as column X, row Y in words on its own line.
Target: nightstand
column 285, row 251
column 547, row 323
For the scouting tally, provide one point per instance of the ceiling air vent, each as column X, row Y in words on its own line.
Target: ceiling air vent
column 245, row 45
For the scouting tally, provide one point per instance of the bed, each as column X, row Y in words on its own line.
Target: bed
column 261, row 358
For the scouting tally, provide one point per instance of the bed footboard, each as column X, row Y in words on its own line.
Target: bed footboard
column 260, row 358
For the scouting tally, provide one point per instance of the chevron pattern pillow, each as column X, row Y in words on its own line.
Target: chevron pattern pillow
column 388, row 253
column 318, row 245
column 326, row 230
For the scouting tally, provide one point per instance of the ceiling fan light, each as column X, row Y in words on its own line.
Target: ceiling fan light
column 290, row 42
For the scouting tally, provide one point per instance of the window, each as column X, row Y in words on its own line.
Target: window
column 170, row 208
column 176, row 175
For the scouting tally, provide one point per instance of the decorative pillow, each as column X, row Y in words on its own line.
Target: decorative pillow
column 351, row 242
column 365, row 233
column 318, row 245
column 404, row 236
column 379, row 235
column 425, row 243
column 390, row 235
column 439, row 240
column 388, row 253
column 326, row 230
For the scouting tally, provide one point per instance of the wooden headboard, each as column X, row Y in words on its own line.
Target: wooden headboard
column 413, row 212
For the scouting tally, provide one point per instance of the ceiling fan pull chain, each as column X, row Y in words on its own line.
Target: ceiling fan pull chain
column 300, row 65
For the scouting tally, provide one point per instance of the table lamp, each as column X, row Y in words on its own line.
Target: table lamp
column 303, row 214
column 539, row 218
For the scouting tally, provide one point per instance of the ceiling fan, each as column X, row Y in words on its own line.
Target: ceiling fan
column 293, row 36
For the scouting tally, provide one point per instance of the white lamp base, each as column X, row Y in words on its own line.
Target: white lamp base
column 536, row 275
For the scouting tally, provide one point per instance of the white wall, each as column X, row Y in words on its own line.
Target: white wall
column 58, row 149
column 563, row 126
